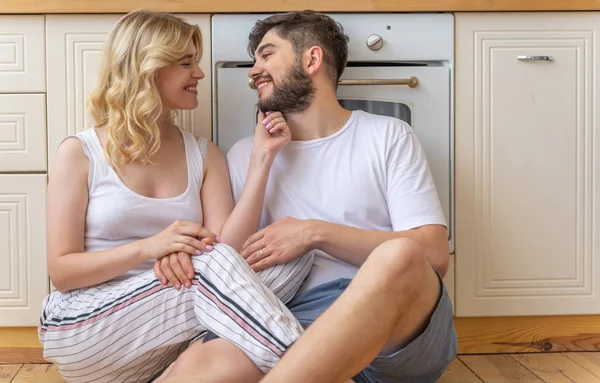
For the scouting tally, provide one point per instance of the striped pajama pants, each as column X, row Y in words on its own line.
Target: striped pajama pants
column 131, row 330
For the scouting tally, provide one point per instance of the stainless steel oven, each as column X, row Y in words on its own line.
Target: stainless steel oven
column 399, row 65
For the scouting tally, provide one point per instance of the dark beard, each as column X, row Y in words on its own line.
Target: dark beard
column 293, row 95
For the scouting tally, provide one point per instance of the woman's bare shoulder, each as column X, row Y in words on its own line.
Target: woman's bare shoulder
column 70, row 156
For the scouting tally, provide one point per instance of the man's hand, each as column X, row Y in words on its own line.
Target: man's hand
column 278, row 243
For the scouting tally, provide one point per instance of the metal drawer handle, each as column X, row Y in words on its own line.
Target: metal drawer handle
column 412, row 82
column 535, row 58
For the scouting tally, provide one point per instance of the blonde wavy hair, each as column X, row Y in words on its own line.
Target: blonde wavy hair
column 126, row 100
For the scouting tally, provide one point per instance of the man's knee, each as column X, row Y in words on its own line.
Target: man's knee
column 400, row 258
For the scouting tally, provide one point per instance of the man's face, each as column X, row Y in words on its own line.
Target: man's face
column 283, row 85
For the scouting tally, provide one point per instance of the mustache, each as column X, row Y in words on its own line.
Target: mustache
column 258, row 78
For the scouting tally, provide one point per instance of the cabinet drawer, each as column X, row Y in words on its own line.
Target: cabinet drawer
column 23, row 266
column 22, row 132
column 22, row 54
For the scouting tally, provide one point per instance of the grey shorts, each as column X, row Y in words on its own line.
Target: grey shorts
column 423, row 360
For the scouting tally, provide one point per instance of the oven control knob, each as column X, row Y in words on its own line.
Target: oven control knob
column 374, row 42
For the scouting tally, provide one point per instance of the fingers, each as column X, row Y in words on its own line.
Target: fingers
column 175, row 269
column 197, row 245
column 192, row 229
column 275, row 124
column 180, row 274
column 271, row 115
column 176, row 247
column 264, row 263
column 165, row 266
column 186, row 263
column 203, row 232
column 247, row 250
column 279, row 128
column 261, row 115
column 158, row 272
column 209, row 241
column 259, row 254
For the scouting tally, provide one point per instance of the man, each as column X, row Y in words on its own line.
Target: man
column 357, row 189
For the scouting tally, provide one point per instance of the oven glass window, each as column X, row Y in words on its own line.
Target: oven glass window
column 384, row 108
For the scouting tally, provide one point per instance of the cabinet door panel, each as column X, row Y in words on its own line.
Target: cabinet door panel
column 23, row 270
column 22, row 132
column 22, row 55
column 525, row 170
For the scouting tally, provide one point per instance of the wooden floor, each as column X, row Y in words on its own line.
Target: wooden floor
column 578, row 367
column 538, row 367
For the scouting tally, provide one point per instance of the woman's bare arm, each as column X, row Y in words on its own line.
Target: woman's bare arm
column 67, row 198
column 235, row 224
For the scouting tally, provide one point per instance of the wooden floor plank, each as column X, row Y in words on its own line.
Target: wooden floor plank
column 588, row 360
column 475, row 336
column 498, row 368
column 42, row 373
column 20, row 345
column 457, row 372
column 8, row 372
column 18, row 355
column 555, row 368
column 19, row 337
column 534, row 367
column 508, row 335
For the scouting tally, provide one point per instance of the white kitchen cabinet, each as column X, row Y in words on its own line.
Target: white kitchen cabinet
column 527, row 168
column 22, row 55
column 22, row 132
column 76, row 43
column 23, row 270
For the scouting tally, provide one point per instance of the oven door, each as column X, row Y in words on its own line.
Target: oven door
column 380, row 90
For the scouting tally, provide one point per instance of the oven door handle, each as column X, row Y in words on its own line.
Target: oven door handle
column 412, row 82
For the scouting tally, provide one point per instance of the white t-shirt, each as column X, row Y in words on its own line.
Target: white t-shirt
column 371, row 174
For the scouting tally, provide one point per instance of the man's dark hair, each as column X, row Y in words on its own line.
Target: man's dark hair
column 305, row 29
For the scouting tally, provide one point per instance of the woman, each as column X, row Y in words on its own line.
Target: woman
column 135, row 189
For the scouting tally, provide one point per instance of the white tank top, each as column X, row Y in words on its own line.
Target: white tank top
column 117, row 215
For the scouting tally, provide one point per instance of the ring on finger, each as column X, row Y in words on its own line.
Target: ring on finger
column 262, row 253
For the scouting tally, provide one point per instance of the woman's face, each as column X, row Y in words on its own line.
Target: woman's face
column 177, row 82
